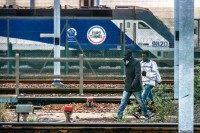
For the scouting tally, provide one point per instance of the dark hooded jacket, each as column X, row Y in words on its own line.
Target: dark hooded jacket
column 133, row 75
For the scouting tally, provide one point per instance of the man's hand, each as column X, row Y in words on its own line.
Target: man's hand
column 144, row 73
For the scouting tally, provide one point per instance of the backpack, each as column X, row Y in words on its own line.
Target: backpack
column 158, row 77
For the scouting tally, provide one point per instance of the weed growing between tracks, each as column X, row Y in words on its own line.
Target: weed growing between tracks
column 164, row 104
column 5, row 115
column 197, row 86
column 197, row 94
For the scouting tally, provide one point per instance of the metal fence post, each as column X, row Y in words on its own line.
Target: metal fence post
column 9, row 47
column 66, row 49
column 122, row 43
column 81, row 74
column 198, row 33
column 17, row 74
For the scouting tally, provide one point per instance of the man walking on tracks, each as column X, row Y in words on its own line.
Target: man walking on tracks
column 150, row 76
column 133, row 84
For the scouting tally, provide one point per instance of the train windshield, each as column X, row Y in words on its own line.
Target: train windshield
column 142, row 25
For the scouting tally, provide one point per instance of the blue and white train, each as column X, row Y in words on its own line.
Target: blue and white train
column 86, row 30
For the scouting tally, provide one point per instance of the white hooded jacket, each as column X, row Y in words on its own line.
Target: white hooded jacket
column 152, row 73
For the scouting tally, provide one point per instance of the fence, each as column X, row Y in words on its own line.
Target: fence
column 80, row 75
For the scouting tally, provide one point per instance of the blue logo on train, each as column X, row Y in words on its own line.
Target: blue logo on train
column 71, row 35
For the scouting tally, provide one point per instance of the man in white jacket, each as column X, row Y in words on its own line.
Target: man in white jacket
column 150, row 76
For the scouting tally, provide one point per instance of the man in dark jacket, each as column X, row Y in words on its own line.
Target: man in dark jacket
column 133, row 84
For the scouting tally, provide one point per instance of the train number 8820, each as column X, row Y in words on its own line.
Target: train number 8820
column 160, row 44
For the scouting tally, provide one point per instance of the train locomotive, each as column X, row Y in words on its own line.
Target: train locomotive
column 96, row 32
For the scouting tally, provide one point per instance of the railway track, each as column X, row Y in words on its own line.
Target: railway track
column 46, row 99
column 47, row 95
column 2, row 81
column 52, row 127
column 64, row 100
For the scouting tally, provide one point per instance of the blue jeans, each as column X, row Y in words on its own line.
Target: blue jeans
column 124, row 102
column 147, row 93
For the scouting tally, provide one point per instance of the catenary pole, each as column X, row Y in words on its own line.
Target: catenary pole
column 96, row 3
column 186, row 66
column 32, row 4
column 56, row 40
column 176, row 48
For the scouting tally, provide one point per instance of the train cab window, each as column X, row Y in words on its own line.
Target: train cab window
column 142, row 25
column 88, row 3
column 128, row 25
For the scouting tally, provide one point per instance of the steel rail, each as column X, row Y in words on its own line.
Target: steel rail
column 77, row 59
column 58, row 124
column 92, row 127
column 49, row 81
column 47, row 76
column 58, row 90
column 62, row 90
column 82, row 99
column 63, row 100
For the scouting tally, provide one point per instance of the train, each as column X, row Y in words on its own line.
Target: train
column 96, row 32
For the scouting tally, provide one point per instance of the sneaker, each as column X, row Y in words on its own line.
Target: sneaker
column 136, row 115
column 151, row 115
column 148, row 116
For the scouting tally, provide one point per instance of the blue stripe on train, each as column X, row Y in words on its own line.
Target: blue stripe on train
column 30, row 29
